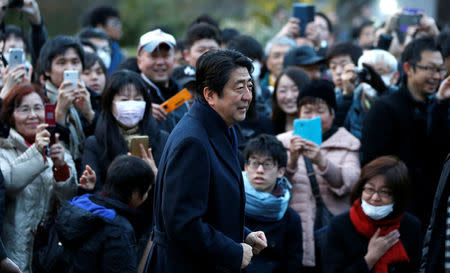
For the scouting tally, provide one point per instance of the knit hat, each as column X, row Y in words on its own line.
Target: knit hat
column 322, row 89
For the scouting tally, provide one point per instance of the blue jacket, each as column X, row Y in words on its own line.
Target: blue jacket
column 199, row 198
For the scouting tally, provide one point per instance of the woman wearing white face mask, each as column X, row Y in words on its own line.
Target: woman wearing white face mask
column 377, row 235
column 126, row 112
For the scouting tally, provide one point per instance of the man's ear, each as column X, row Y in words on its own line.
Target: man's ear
column 210, row 96
column 408, row 68
column 186, row 55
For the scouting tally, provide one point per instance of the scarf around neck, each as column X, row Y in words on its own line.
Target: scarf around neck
column 73, row 122
column 265, row 206
column 367, row 227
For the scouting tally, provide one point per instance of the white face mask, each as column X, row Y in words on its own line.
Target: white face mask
column 376, row 212
column 387, row 79
column 256, row 70
column 105, row 57
column 130, row 112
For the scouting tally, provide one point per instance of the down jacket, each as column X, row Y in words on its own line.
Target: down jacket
column 31, row 192
column 342, row 152
column 97, row 235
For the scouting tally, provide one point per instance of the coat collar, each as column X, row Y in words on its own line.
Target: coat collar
column 222, row 138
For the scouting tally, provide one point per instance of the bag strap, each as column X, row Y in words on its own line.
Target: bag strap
column 312, row 179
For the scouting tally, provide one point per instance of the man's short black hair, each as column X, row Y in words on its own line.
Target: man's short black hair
column 13, row 30
column 201, row 31
column 90, row 59
column 248, row 46
column 214, row 68
column 129, row 64
column 357, row 30
column 90, row 32
column 443, row 40
column 413, row 51
column 87, row 43
column 54, row 47
column 268, row 145
column 128, row 174
column 99, row 15
column 345, row 48
column 205, row 18
column 325, row 17
column 229, row 34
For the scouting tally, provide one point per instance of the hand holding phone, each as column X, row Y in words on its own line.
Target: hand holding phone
column 73, row 77
column 135, row 142
column 16, row 57
column 305, row 13
column 50, row 120
column 176, row 101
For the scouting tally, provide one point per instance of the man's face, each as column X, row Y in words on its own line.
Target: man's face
column 113, row 27
column 262, row 172
column 423, row 77
column 13, row 42
column 69, row 60
column 367, row 37
column 275, row 58
column 198, row 49
column 336, row 66
column 317, row 31
column 101, row 44
column 157, row 65
column 313, row 71
column 232, row 106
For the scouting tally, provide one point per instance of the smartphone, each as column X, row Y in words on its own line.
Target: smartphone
column 309, row 129
column 305, row 13
column 16, row 57
column 73, row 77
column 409, row 19
column 134, row 144
column 176, row 101
column 50, row 119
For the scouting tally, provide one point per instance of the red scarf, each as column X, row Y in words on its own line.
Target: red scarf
column 367, row 227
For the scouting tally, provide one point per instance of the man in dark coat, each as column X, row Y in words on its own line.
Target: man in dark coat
column 199, row 194
column 413, row 123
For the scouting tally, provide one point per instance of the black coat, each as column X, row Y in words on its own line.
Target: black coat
column 94, row 243
column 160, row 94
column 199, row 199
column 434, row 242
column 96, row 157
column 416, row 132
column 345, row 247
column 284, row 250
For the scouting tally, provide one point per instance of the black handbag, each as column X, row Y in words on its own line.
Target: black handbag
column 323, row 215
column 47, row 250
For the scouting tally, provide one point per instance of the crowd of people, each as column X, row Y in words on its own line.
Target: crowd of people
column 306, row 154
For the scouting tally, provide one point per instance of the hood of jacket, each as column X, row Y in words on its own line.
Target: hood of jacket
column 79, row 218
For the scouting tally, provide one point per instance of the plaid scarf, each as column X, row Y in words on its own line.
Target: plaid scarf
column 447, row 239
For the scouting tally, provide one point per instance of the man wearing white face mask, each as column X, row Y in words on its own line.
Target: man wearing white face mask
column 101, row 41
column 377, row 235
column 385, row 65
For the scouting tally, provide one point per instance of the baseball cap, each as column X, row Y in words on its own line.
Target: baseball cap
column 184, row 74
column 152, row 39
column 301, row 56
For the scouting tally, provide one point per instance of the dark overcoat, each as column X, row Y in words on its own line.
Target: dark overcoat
column 199, row 198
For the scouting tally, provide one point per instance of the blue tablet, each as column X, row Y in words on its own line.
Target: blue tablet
column 309, row 129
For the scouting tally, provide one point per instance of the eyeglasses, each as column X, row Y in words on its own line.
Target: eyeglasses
column 114, row 23
column 383, row 193
column 430, row 69
column 267, row 165
column 26, row 110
